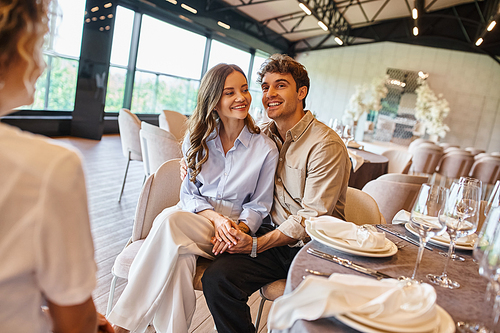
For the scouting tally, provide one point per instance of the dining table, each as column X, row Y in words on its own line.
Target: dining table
column 466, row 303
column 374, row 165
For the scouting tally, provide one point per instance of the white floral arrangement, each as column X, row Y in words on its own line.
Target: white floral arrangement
column 431, row 110
column 366, row 98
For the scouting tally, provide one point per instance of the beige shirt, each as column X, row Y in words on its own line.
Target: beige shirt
column 311, row 177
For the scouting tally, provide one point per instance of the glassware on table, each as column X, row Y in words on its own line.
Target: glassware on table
column 348, row 134
column 494, row 199
column 430, row 203
column 461, row 218
column 337, row 127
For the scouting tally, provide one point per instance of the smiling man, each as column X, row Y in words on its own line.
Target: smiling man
column 311, row 180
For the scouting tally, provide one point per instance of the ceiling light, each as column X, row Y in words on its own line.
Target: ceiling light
column 479, row 41
column 101, row 29
column 109, row 4
column 107, row 27
column 322, row 25
column 110, row 15
column 102, row 17
column 224, row 25
column 174, row 2
column 87, row 20
column 305, row 8
column 186, row 18
column 423, row 75
column 94, row 19
column 492, row 25
column 414, row 13
column 189, row 9
column 94, row 9
column 338, row 40
column 415, row 31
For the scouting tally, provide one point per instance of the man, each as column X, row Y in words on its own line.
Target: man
column 311, row 180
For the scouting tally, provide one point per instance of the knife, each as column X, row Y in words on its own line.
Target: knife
column 348, row 263
column 400, row 235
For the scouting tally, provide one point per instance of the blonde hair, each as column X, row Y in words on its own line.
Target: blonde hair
column 23, row 23
column 204, row 119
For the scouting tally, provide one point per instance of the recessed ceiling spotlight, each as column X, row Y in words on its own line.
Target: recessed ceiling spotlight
column 305, row 8
column 479, row 41
column 338, row 40
column 322, row 25
column 224, row 25
column 415, row 31
column 189, row 9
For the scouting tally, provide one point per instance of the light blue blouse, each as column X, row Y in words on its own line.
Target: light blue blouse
column 238, row 185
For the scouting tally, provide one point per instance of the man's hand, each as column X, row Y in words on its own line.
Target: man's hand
column 244, row 242
column 103, row 324
column 222, row 225
column 183, row 168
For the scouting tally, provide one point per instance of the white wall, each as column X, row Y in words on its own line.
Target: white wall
column 470, row 82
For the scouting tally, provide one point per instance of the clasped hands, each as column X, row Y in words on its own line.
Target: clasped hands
column 230, row 237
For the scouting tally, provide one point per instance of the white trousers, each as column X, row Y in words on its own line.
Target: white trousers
column 160, row 282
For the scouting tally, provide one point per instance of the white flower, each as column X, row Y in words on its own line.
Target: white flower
column 367, row 98
column 431, row 110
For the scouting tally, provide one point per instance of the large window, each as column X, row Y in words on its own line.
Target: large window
column 56, row 88
column 255, row 89
column 223, row 53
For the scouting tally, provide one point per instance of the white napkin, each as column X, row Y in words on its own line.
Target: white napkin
column 356, row 160
column 387, row 302
column 403, row 217
column 349, row 232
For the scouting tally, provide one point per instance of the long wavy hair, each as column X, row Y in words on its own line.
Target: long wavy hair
column 23, row 23
column 204, row 119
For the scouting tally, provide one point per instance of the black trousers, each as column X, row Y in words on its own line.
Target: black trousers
column 232, row 278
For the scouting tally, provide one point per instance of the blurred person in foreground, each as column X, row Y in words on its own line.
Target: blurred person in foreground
column 46, row 249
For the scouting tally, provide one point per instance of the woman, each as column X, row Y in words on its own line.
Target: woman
column 46, row 250
column 229, row 185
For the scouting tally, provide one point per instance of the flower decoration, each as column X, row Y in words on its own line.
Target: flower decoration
column 366, row 98
column 431, row 110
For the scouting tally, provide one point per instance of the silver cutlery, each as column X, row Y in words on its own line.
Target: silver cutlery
column 348, row 263
column 310, row 271
column 400, row 235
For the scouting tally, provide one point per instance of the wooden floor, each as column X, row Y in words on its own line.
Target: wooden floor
column 111, row 222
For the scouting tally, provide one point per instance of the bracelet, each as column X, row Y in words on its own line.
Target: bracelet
column 253, row 254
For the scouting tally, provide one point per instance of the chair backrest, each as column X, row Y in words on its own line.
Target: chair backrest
column 174, row 122
column 411, row 179
column 160, row 190
column 360, row 208
column 475, row 151
column 391, row 197
column 446, row 145
column 486, row 169
column 399, row 160
column 455, row 164
column 129, row 126
column 495, row 154
column 415, row 143
column 157, row 146
column 426, row 157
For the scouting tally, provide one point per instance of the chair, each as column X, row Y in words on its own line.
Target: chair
column 455, row 164
column 129, row 126
column 426, row 157
column 486, row 169
column 475, row 151
column 391, row 196
column 158, row 146
column 446, row 145
column 400, row 178
column 415, row 143
column 161, row 190
column 399, row 160
column 174, row 122
column 360, row 209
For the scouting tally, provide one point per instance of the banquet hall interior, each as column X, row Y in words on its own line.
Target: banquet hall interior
column 373, row 64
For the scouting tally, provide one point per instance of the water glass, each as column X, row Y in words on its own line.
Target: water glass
column 494, row 199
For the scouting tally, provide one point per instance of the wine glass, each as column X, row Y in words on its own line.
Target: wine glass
column 494, row 200
column 337, row 127
column 424, row 217
column 348, row 134
column 461, row 217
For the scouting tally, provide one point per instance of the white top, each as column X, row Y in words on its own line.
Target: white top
column 46, row 247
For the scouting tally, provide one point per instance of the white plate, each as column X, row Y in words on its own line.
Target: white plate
column 318, row 237
column 340, row 242
column 446, row 323
column 440, row 241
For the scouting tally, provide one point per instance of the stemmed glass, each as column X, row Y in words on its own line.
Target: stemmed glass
column 490, row 224
column 494, row 200
column 424, row 217
column 348, row 134
column 337, row 127
column 461, row 217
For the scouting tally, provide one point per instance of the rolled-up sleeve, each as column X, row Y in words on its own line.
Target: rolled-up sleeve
column 261, row 201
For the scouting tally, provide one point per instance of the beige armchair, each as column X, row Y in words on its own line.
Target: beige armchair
column 173, row 122
column 129, row 126
column 399, row 160
column 455, row 163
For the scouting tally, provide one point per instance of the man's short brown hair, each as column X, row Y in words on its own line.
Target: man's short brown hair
column 283, row 64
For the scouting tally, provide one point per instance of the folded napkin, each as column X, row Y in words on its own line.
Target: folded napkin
column 403, row 217
column 366, row 237
column 356, row 160
column 388, row 302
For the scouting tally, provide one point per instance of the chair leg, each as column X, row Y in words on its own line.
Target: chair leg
column 259, row 313
column 111, row 294
column 124, row 178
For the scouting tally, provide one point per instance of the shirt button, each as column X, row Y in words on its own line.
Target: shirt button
column 279, row 180
column 281, row 159
column 225, row 173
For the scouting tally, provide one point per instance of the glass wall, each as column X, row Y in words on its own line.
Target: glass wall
column 56, row 88
column 223, row 53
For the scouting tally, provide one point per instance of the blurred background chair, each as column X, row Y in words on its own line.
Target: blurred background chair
column 486, row 169
column 455, row 164
column 426, row 157
column 129, row 126
column 392, row 196
column 173, row 122
column 161, row 190
column 411, row 179
column 399, row 160
column 475, row 151
column 446, row 145
column 158, row 146
column 415, row 143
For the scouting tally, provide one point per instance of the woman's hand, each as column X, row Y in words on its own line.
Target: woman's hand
column 222, row 226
